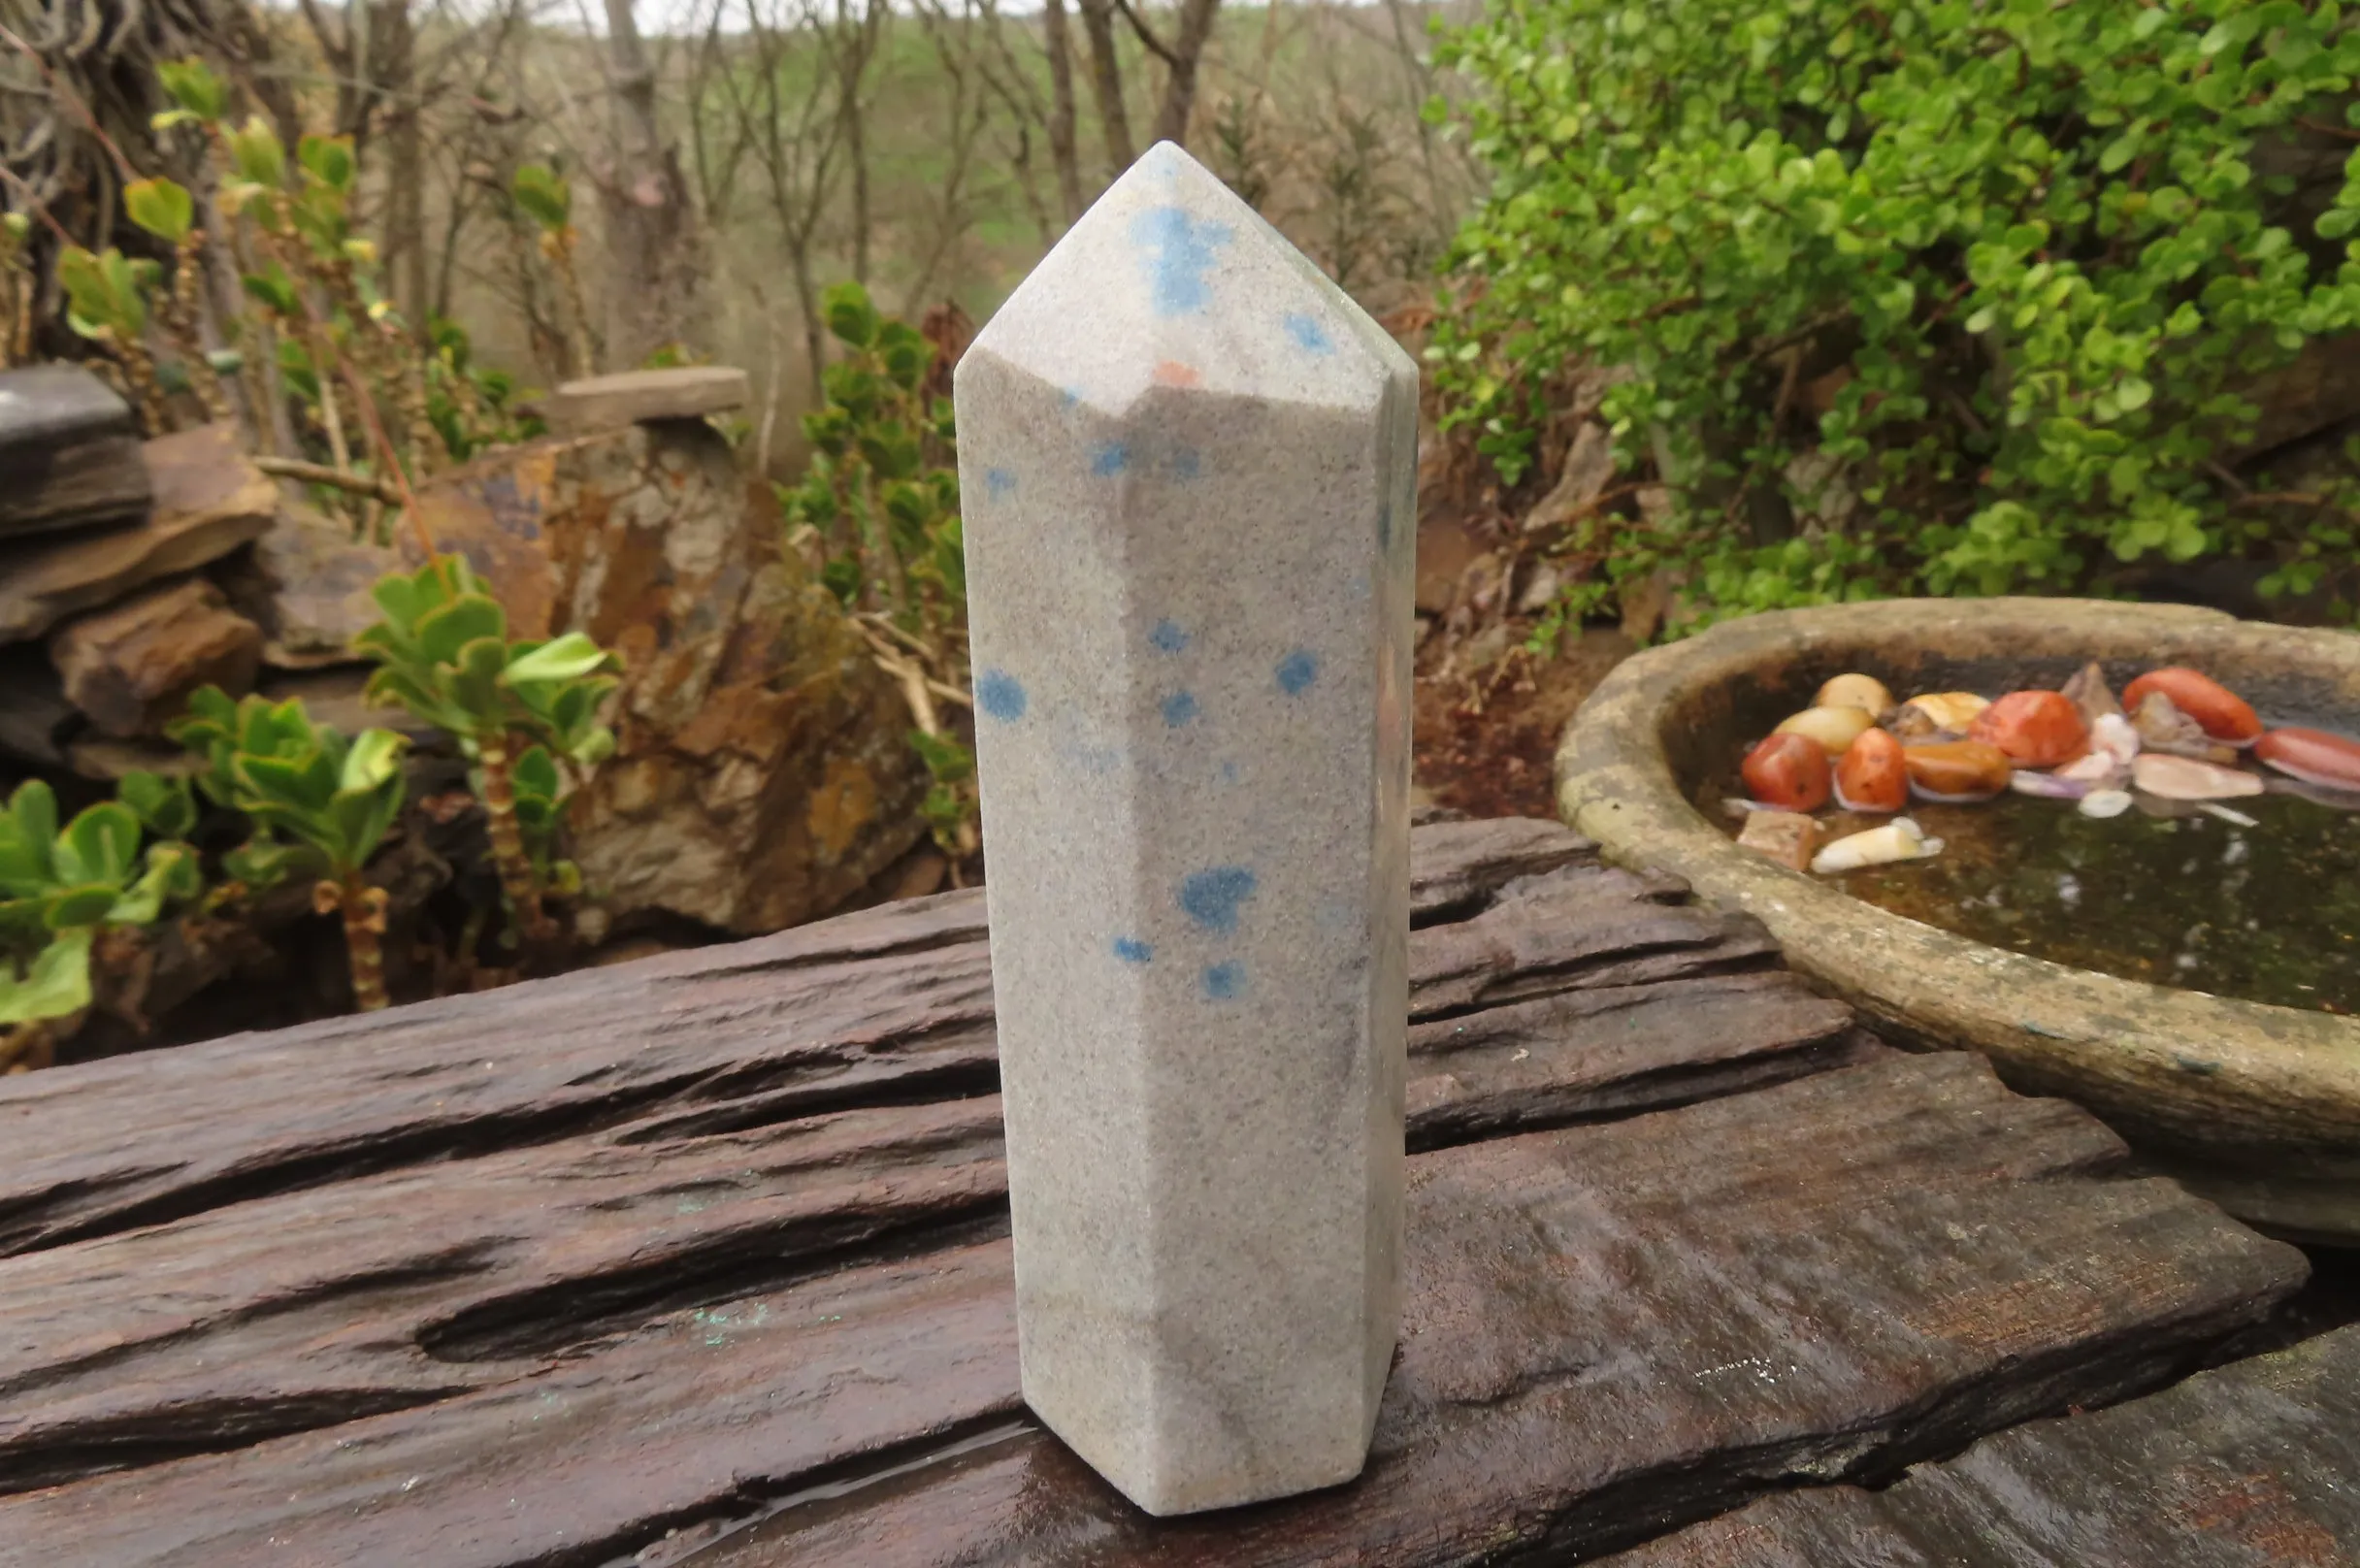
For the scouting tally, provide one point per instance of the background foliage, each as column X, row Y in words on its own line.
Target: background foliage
column 2034, row 254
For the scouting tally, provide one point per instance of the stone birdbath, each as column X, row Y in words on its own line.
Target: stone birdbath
column 2255, row 1106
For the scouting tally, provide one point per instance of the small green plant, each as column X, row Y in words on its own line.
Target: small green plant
column 106, row 302
column 517, row 709
column 321, row 805
column 2007, row 267
column 60, row 889
column 881, row 502
column 546, row 200
column 315, row 310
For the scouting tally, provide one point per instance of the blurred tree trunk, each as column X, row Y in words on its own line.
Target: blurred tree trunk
column 1059, row 40
column 857, row 47
column 404, row 247
column 1181, row 60
column 654, row 287
column 1106, row 85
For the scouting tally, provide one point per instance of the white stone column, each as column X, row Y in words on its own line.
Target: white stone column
column 1188, row 470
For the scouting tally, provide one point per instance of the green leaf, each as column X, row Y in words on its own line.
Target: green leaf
column 161, row 208
column 101, row 844
column 164, row 805
column 566, row 658
column 448, row 628
column 849, row 314
column 257, row 154
column 329, row 160
column 85, row 905
column 56, row 984
column 374, row 758
column 545, row 198
column 193, row 85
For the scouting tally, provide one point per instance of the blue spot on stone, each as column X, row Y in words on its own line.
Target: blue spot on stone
column 1131, row 950
column 1109, row 459
column 998, row 484
column 1179, row 708
column 1221, row 981
column 1297, row 670
column 1309, row 335
column 1067, row 397
column 1179, row 249
column 1228, row 772
column 1211, row 898
column 1167, row 637
column 1185, row 463
column 1001, row 695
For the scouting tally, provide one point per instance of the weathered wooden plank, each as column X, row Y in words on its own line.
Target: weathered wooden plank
column 1610, row 1329
column 2252, row 1465
column 890, row 1001
column 306, row 1308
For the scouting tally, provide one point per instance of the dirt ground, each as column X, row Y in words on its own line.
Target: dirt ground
column 1485, row 744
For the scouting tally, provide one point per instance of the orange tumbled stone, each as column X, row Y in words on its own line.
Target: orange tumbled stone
column 2313, row 755
column 1957, row 770
column 1874, row 774
column 2224, row 716
column 2035, row 728
column 1788, row 771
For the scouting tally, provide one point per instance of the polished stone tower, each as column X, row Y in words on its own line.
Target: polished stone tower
column 1188, row 470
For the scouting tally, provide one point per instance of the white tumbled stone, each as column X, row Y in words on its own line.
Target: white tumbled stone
column 1187, row 471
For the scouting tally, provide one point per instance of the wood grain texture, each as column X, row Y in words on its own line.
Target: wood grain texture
column 892, row 1002
column 543, row 1275
column 2250, row 1466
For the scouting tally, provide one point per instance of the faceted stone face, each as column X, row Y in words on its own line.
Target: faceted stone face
column 1186, row 464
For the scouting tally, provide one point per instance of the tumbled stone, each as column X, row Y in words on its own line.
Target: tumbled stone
column 1188, row 463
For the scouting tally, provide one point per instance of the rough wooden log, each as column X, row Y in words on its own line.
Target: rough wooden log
column 315, row 1296
column 2250, row 1464
column 69, row 453
column 1609, row 1330
column 891, row 1001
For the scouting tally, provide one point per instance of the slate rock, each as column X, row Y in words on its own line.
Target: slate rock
column 132, row 666
column 208, row 501
column 69, row 453
column 633, row 397
column 762, row 773
column 307, row 583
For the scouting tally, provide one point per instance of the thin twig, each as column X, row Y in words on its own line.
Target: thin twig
column 359, row 484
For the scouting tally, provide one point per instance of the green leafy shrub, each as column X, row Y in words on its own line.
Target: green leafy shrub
column 61, row 886
column 321, row 805
column 442, row 651
column 2035, row 243
column 881, row 502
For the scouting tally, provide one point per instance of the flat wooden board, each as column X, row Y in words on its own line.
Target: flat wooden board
column 2255, row 1465
column 547, row 1275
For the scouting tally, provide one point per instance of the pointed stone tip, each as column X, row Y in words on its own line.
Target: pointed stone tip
column 1171, row 281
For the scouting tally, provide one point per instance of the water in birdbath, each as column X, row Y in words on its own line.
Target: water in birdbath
column 2269, row 913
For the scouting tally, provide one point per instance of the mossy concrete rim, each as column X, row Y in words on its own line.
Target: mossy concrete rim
column 2256, row 1107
